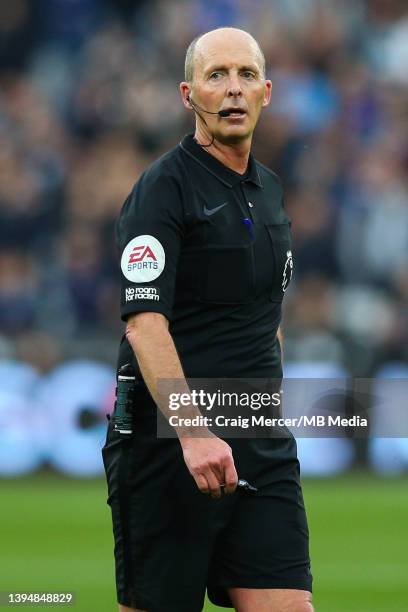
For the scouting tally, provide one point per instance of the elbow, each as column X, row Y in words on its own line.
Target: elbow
column 144, row 325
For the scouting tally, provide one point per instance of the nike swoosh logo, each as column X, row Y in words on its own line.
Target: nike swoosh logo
column 212, row 211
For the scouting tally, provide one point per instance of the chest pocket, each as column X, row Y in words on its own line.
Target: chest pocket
column 226, row 267
column 282, row 260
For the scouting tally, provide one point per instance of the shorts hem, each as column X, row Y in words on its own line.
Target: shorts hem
column 174, row 606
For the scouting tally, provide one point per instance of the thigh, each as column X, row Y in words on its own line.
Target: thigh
column 160, row 526
column 265, row 546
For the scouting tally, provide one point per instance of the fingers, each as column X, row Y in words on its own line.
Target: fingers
column 230, row 476
column 214, row 484
column 202, row 483
column 208, row 483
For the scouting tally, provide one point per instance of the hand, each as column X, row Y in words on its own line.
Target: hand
column 209, row 460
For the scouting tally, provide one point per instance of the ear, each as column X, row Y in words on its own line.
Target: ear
column 268, row 93
column 185, row 92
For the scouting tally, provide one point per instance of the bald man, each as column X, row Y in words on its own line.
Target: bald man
column 206, row 259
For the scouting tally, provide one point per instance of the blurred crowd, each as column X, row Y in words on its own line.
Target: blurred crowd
column 89, row 97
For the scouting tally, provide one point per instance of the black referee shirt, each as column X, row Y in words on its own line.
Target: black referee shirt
column 211, row 250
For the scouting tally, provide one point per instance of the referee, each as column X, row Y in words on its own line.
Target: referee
column 205, row 260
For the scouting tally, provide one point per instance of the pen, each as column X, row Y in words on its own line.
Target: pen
column 248, row 222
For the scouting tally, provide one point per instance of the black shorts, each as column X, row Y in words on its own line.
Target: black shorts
column 172, row 542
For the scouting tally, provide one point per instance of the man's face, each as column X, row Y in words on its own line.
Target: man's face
column 228, row 76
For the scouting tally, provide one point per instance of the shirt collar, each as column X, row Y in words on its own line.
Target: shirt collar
column 212, row 164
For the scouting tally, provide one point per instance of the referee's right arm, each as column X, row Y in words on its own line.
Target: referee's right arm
column 150, row 231
column 208, row 458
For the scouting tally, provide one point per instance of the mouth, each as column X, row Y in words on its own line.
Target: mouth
column 235, row 112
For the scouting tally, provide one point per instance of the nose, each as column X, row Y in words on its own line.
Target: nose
column 234, row 86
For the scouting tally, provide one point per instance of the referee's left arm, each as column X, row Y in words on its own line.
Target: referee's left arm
column 279, row 335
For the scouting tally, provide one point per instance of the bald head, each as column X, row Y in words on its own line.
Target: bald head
column 207, row 43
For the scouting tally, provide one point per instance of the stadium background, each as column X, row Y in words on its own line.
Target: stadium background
column 88, row 98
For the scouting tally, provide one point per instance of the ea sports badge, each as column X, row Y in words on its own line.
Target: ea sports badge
column 143, row 259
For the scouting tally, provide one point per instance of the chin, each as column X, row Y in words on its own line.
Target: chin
column 233, row 136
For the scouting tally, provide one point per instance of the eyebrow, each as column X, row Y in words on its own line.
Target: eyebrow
column 215, row 68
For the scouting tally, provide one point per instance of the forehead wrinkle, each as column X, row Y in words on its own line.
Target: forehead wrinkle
column 204, row 60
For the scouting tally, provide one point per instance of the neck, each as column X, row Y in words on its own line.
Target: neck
column 234, row 156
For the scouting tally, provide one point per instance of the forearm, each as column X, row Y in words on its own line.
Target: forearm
column 279, row 334
column 208, row 460
column 158, row 360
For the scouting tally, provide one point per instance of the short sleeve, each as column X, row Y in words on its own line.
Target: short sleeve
column 149, row 232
